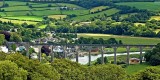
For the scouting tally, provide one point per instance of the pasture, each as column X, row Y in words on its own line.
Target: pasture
column 155, row 18
column 152, row 6
column 131, row 69
column 100, row 8
column 57, row 16
column 17, row 21
column 86, row 17
column 125, row 39
column 28, row 18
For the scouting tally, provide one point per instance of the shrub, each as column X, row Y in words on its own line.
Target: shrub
column 70, row 70
column 151, row 73
column 107, row 72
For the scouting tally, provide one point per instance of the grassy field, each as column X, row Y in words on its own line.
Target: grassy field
column 100, row 8
column 57, row 16
column 152, row 6
column 125, row 39
column 155, row 18
column 131, row 69
column 28, row 18
column 86, row 17
column 69, row 5
column 17, row 21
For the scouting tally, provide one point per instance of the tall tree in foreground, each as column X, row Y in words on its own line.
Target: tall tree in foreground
column 153, row 56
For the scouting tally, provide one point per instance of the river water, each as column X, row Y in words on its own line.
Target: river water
column 84, row 60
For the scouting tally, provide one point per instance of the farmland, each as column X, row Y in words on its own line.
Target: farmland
column 125, row 39
column 86, row 17
column 152, row 6
column 35, row 11
column 100, row 8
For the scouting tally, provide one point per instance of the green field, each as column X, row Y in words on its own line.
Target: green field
column 155, row 18
column 28, row 18
column 99, row 8
column 152, row 6
column 69, row 5
column 57, row 16
column 17, row 21
column 86, row 17
column 131, row 69
column 125, row 39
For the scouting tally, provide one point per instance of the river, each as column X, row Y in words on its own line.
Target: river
column 84, row 60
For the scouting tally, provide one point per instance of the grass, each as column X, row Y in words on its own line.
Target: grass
column 57, row 16
column 152, row 6
column 123, row 49
column 17, row 8
column 18, row 21
column 99, row 8
column 46, row 12
column 76, row 12
column 42, row 27
column 131, row 69
column 136, row 24
column 125, row 39
column 28, row 18
column 86, row 17
column 155, row 18
column 69, row 5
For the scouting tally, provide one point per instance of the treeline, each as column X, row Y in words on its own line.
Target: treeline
column 91, row 40
column 109, row 27
column 18, row 33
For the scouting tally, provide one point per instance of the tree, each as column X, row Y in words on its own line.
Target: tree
column 99, row 60
column 15, row 37
column 7, row 35
column 153, row 56
column 150, row 73
column 70, row 70
column 107, row 72
column 45, row 49
column 2, row 39
column 10, row 71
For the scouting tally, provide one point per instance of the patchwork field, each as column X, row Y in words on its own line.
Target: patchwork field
column 100, row 8
column 86, row 17
column 17, row 21
column 28, row 18
column 125, row 39
column 152, row 6
column 57, row 16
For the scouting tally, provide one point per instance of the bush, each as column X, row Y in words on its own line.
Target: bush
column 151, row 73
column 107, row 72
column 10, row 71
column 70, row 70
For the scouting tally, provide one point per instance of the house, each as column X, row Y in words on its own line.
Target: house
column 4, row 49
column 134, row 61
column 34, row 56
column 58, row 49
column 20, row 48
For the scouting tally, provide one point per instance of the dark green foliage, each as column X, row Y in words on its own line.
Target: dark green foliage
column 153, row 56
column 91, row 40
column 99, row 60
